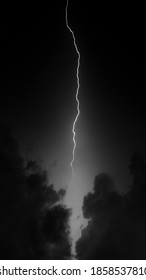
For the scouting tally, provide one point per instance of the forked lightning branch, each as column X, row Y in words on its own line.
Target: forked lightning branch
column 77, row 91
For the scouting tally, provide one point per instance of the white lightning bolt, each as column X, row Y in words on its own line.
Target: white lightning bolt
column 77, row 91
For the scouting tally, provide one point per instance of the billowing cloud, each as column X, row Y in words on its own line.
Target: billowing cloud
column 34, row 222
column 116, row 228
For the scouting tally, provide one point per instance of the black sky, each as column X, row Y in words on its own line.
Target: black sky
column 37, row 72
column 113, row 63
column 38, row 85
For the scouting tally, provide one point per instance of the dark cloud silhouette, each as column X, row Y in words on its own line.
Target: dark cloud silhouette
column 116, row 223
column 34, row 222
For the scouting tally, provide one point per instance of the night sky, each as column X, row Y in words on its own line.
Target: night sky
column 38, row 85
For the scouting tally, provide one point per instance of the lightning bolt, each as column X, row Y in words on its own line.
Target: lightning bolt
column 77, row 91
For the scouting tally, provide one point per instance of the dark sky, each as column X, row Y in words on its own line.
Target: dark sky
column 38, row 79
column 112, row 94
column 38, row 85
